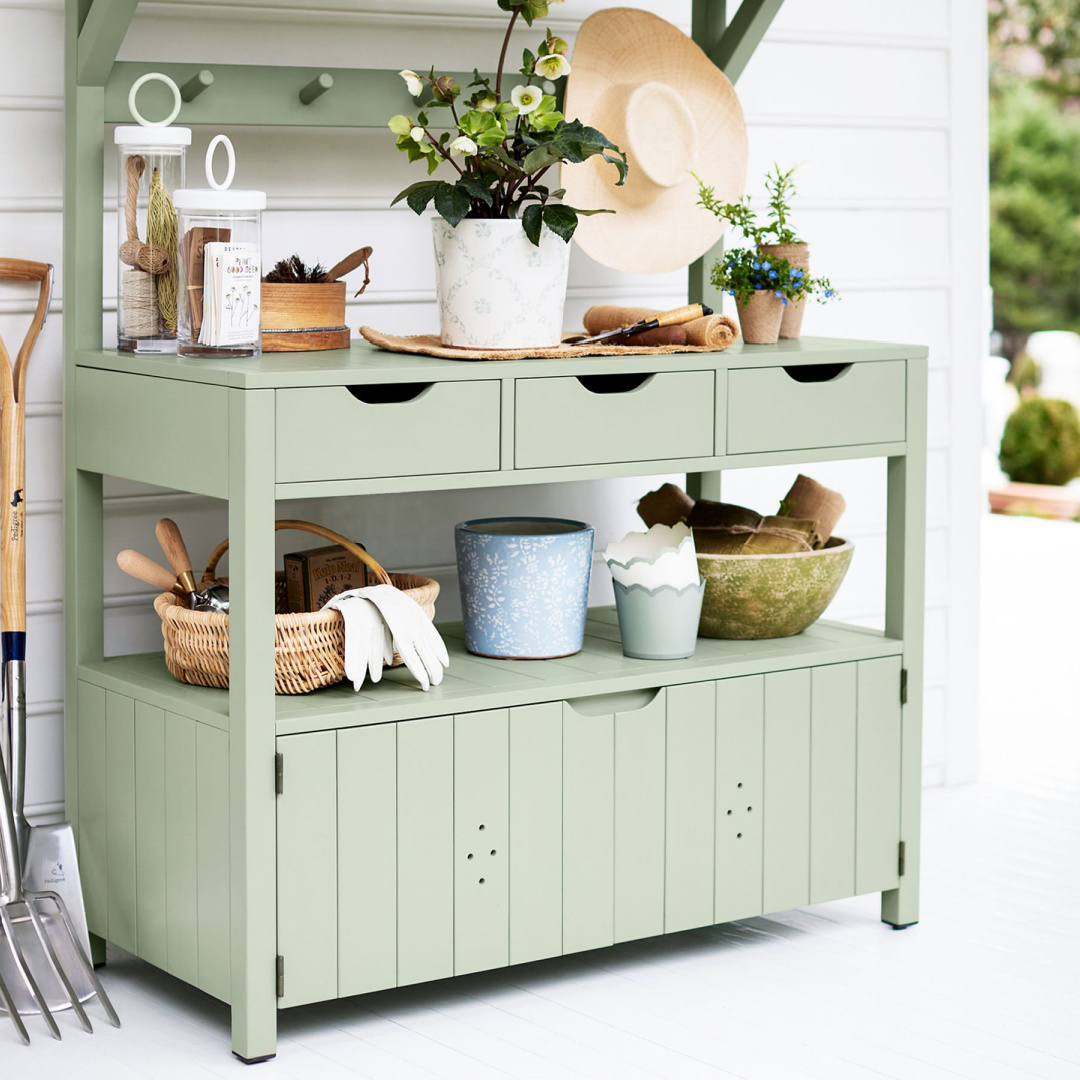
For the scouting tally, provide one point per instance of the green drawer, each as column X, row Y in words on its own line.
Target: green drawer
column 818, row 405
column 604, row 419
column 407, row 429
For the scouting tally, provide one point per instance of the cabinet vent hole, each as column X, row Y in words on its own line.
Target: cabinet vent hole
column 738, row 836
column 482, row 827
column 492, row 851
column 729, row 813
column 470, row 855
column 482, row 879
column 740, row 785
column 749, row 809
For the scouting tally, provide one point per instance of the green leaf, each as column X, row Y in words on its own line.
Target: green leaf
column 532, row 222
column 620, row 164
column 561, row 220
column 419, row 195
column 400, row 125
column 452, row 203
column 528, row 62
column 423, row 119
column 477, row 188
column 433, row 161
column 588, row 213
column 540, row 158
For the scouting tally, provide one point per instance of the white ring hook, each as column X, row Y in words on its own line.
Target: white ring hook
column 220, row 140
column 154, row 76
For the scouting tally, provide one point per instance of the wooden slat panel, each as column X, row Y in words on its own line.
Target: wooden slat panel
column 639, row 821
column 691, row 806
column 367, row 867
column 832, row 782
column 307, row 859
column 181, row 851
column 93, row 825
column 740, row 778
column 588, row 830
column 786, row 875
column 120, row 812
column 151, row 901
column 535, row 832
column 425, row 811
column 212, row 757
column 878, row 828
column 481, row 841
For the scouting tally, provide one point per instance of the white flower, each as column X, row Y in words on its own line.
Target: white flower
column 553, row 66
column 462, row 146
column 412, row 82
column 487, row 103
column 526, row 98
column 417, row 134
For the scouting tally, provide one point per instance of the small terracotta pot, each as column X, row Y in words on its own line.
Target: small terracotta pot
column 798, row 255
column 760, row 318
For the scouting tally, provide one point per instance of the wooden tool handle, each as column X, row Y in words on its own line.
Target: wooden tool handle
column 680, row 315
column 172, row 543
column 145, row 569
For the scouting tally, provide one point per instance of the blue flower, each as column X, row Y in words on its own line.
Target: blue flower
column 829, row 292
column 783, row 299
column 797, row 284
column 773, row 274
column 731, row 292
column 766, row 266
column 796, row 272
column 780, row 296
column 757, row 266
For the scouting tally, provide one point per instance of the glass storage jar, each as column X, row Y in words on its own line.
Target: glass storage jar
column 220, row 265
column 150, row 170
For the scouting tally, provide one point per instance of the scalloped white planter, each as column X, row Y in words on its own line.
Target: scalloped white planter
column 495, row 289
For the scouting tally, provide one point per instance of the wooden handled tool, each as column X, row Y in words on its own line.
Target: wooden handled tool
column 141, row 567
column 675, row 317
column 172, row 543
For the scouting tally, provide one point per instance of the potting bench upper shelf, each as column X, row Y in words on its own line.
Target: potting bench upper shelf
column 519, row 810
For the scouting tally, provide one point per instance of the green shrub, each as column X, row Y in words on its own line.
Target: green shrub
column 1025, row 374
column 1041, row 443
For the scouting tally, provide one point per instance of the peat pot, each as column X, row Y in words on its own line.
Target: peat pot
column 798, row 255
column 760, row 317
column 770, row 596
column 496, row 290
column 524, row 586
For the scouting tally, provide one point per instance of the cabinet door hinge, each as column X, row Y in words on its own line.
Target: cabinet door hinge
column 281, row 976
column 903, row 686
column 279, row 773
column 901, row 855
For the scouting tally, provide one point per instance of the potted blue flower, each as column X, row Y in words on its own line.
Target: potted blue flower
column 763, row 288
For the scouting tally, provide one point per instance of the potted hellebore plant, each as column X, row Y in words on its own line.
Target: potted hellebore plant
column 502, row 236
column 775, row 239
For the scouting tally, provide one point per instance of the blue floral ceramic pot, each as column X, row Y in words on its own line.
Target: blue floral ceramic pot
column 524, row 586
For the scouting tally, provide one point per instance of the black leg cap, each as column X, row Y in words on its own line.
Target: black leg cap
column 254, row 1060
column 900, row 926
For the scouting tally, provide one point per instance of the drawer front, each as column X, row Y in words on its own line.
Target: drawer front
column 605, row 419
column 843, row 405
column 413, row 429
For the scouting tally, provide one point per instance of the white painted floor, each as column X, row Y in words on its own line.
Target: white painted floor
column 985, row 987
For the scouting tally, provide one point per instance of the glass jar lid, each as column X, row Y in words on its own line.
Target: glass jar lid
column 219, row 196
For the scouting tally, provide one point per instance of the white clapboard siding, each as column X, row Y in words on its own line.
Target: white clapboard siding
column 877, row 103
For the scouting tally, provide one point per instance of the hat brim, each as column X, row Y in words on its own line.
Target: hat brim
column 654, row 229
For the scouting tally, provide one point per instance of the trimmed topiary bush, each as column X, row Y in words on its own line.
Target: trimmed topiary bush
column 1041, row 443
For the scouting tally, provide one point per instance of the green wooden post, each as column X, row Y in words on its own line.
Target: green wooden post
column 252, row 723
column 904, row 602
column 84, row 567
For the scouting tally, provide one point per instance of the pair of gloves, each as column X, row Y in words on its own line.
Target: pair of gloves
column 381, row 620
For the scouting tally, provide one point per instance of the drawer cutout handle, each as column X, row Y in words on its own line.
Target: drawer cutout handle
column 625, row 701
column 613, row 384
column 389, row 393
column 809, row 373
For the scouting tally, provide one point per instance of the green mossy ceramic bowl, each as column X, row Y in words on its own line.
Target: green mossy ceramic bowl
column 770, row 596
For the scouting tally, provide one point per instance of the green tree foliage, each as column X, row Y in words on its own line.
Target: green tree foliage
column 1039, row 39
column 1034, row 213
column 1041, row 443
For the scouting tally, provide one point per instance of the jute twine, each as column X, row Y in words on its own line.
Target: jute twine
column 138, row 305
column 162, row 238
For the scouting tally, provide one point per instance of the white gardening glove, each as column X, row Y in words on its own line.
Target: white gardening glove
column 414, row 635
column 368, row 645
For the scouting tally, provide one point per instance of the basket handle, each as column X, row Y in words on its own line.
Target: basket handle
column 304, row 526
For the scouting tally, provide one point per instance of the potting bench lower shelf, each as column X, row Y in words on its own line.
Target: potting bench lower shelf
column 276, row 851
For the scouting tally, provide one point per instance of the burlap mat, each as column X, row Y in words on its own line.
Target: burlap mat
column 431, row 345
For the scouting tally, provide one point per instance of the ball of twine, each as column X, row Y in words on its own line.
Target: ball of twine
column 139, row 317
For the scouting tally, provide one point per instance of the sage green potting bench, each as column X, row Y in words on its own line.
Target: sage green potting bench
column 280, row 851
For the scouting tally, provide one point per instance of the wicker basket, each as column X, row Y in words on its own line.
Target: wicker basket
column 309, row 647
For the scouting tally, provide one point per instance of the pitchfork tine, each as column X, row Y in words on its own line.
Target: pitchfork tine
column 24, row 971
column 16, row 1019
column 57, row 967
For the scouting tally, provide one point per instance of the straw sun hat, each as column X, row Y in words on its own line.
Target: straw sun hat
column 653, row 92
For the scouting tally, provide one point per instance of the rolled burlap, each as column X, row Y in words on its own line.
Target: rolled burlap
column 808, row 499
column 711, row 332
column 668, row 505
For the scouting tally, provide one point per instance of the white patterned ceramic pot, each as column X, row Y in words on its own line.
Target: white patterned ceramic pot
column 524, row 586
column 496, row 290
